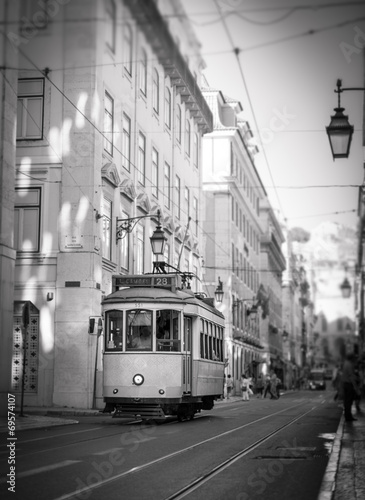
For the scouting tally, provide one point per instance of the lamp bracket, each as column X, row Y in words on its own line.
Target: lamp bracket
column 126, row 226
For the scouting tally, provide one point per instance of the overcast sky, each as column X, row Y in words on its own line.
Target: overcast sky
column 291, row 54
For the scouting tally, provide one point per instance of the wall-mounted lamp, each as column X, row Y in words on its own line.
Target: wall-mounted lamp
column 339, row 130
column 345, row 288
column 250, row 311
column 219, row 291
column 49, row 296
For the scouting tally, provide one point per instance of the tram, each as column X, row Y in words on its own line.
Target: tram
column 163, row 353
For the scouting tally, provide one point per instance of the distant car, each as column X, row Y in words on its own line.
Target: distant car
column 317, row 380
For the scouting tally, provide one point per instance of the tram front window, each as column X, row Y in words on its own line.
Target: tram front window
column 114, row 331
column 167, row 330
column 139, row 330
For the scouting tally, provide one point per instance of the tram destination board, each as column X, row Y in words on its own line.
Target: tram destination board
column 170, row 282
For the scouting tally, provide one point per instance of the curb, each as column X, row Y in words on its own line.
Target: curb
column 329, row 479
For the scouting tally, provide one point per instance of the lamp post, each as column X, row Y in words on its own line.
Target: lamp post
column 339, row 130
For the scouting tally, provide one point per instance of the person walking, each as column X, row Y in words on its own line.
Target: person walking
column 245, row 387
column 229, row 386
column 267, row 388
column 259, row 386
column 349, row 386
column 273, row 385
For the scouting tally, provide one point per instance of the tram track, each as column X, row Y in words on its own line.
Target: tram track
column 198, row 482
column 209, row 475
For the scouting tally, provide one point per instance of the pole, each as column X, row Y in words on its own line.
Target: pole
column 25, row 323
column 100, row 329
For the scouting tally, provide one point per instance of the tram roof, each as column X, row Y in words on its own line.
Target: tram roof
column 139, row 294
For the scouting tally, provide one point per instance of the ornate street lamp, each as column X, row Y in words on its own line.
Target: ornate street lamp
column 339, row 130
column 158, row 238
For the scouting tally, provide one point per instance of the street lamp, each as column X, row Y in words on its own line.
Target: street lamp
column 345, row 288
column 158, row 238
column 219, row 291
column 339, row 130
column 252, row 311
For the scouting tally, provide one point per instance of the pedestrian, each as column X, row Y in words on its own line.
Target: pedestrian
column 336, row 382
column 245, row 387
column 229, row 386
column 273, row 385
column 267, row 388
column 350, row 386
column 259, row 386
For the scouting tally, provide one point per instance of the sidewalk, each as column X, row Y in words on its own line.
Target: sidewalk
column 38, row 417
column 344, row 478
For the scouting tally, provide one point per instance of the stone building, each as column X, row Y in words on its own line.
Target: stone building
column 110, row 118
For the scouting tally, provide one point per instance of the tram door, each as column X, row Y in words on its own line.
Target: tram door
column 187, row 354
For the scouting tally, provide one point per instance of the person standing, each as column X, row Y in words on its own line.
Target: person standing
column 229, row 386
column 245, row 387
column 349, row 386
column 274, row 385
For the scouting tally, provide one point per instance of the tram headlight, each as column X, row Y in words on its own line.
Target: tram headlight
column 138, row 379
column 115, row 391
column 161, row 391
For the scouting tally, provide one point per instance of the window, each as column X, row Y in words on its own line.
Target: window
column 140, row 250
column 141, row 158
column 108, row 123
column 27, row 214
column 126, row 158
column 178, row 124
column 178, row 196
column 187, row 201
column 107, row 228
column 30, row 109
column 167, row 185
column 156, row 91
column 195, row 214
column 196, row 151
column 128, row 49
column 167, row 108
column 187, row 138
column 114, row 331
column 139, row 330
column 110, row 23
column 124, row 246
column 167, row 330
column 143, row 73
column 154, row 172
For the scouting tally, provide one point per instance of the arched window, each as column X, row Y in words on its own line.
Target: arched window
column 156, row 91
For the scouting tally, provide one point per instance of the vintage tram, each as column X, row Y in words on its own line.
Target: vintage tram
column 163, row 352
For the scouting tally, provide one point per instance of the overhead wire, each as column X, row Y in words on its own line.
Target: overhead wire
column 236, row 53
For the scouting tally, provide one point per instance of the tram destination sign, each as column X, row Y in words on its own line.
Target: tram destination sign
column 147, row 281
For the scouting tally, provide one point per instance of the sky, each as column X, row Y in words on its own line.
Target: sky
column 291, row 53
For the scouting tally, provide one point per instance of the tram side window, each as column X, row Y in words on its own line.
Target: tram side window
column 139, row 330
column 167, row 330
column 114, row 331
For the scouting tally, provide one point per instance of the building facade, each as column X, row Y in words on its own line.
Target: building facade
column 110, row 118
column 233, row 194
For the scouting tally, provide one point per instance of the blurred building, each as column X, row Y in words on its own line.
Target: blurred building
column 234, row 198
